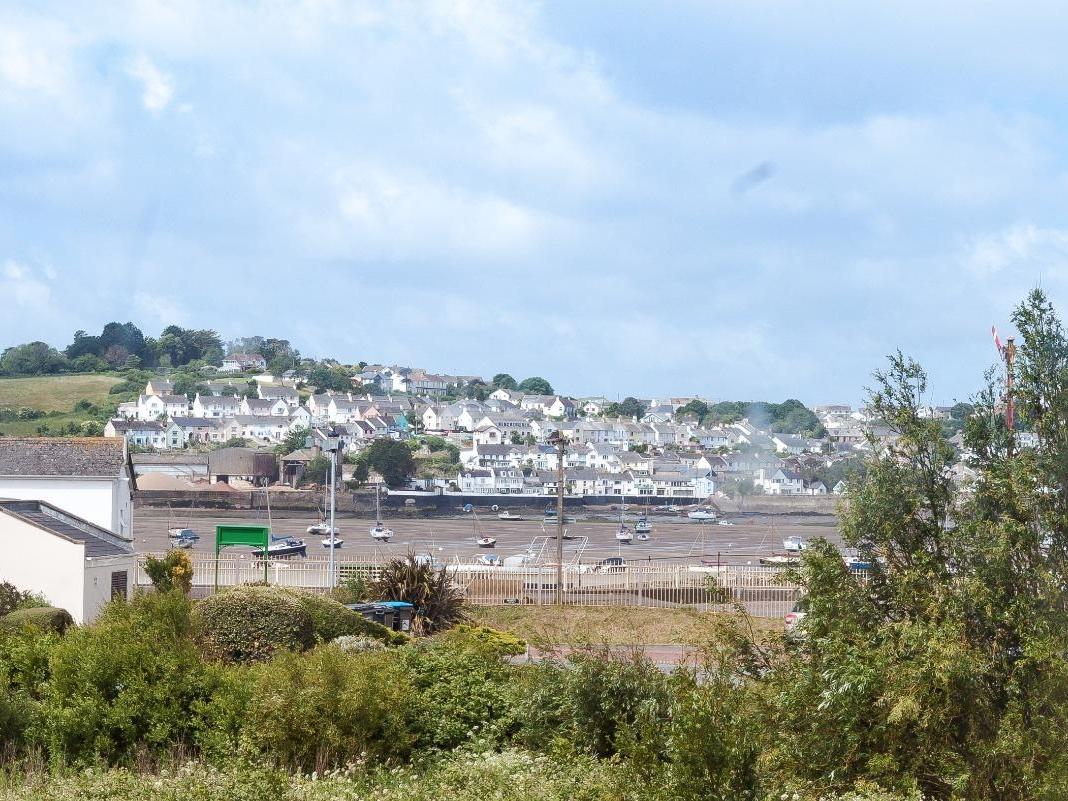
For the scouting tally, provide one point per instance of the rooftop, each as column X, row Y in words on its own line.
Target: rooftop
column 52, row 456
column 98, row 541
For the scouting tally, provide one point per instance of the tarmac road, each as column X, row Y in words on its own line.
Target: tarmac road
column 674, row 539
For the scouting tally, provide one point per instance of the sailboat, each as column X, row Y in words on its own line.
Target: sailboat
column 643, row 528
column 378, row 531
column 624, row 535
column 331, row 540
column 281, row 547
column 482, row 539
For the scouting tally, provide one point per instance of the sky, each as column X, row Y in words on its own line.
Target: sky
column 753, row 200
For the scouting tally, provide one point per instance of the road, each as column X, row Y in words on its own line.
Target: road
column 674, row 539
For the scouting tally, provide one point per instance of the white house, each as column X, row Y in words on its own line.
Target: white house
column 146, row 433
column 478, row 481
column 275, row 392
column 75, row 564
column 215, row 406
column 240, row 362
column 780, row 482
column 276, row 407
column 90, row 477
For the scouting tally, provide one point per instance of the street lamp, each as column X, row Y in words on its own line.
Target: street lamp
column 331, row 445
column 560, row 441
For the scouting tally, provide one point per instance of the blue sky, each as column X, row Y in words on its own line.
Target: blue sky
column 744, row 200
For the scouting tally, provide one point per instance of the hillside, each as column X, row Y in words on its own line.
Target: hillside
column 55, row 393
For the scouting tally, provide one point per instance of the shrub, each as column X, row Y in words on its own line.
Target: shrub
column 173, row 572
column 45, row 618
column 131, row 682
column 331, row 619
column 354, row 644
column 463, row 687
column 24, row 655
column 327, row 708
column 593, row 701
column 12, row 598
column 438, row 603
column 248, row 624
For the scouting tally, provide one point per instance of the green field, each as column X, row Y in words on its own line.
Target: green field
column 55, row 393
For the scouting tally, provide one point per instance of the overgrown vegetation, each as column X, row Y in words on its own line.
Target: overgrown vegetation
column 940, row 674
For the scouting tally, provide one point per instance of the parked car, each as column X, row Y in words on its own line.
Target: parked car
column 795, row 616
column 613, row 564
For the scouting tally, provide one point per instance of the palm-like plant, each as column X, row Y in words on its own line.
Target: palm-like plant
column 438, row 602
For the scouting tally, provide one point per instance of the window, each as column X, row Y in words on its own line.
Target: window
column 119, row 584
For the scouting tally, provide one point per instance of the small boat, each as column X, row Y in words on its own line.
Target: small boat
column 489, row 560
column 724, row 523
column 183, row 543
column 322, row 527
column 379, row 532
column 780, row 560
column 643, row 526
column 334, row 541
column 794, row 544
column 857, row 563
column 642, row 536
column 486, row 541
column 506, row 515
column 701, row 514
column 284, row 547
column 624, row 535
column 182, row 534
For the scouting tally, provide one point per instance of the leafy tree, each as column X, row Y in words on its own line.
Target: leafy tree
column 438, row 602
column 293, row 441
column 695, row 407
column 318, row 471
column 33, row 358
column 477, row 390
column 628, row 407
column 536, row 386
column 504, row 381
column 324, row 376
column 390, row 459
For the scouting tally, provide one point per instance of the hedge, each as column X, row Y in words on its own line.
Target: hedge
column 250, row 624
column 332, row 619
column 45, row 618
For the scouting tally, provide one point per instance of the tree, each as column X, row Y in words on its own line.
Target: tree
column 317, row 471
column 536, row 385
column 504, row 381
column 628, row 407
column 324, row 376
column 942, row 673
column 390, row 459
column 695, row 407
column 33, row 358
column 293, row 441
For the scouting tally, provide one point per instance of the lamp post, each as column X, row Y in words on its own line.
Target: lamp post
column 331, row 445
column 560, row 441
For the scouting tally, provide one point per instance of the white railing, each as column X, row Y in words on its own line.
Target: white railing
column 762, row 591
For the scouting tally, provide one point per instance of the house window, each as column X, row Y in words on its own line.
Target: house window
column 119, row 584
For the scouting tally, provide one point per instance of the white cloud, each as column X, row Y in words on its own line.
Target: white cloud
column 1022, row 247
column 157, row 87
column 22, row 284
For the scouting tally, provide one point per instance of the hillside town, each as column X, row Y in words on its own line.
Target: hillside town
column 502, row 445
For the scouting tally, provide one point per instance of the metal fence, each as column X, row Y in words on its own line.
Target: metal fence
column 762, row 591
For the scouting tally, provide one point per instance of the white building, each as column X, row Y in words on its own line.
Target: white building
column 76, row 565
column 90, row 477
column 216, row 406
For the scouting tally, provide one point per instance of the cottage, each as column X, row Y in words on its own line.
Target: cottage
column 90, row 477
column 75, row 564
column 215, row 406
column 241, row 362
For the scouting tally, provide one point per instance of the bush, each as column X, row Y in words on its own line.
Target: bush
column 173, row 572
column 463, row 687
column 594, row 702
column 331, row 619
column 12, row 598
column 353, row 644
column 129, row 683
column 249, row 624
column 44, row 618
column 326, row 708
column 24, row 655
column 438, row 603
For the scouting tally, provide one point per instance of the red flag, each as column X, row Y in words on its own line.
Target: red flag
column 997, row 340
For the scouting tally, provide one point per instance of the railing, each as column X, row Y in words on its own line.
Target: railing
column 762, row 591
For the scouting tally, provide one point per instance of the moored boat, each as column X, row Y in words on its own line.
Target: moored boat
column 284, row 547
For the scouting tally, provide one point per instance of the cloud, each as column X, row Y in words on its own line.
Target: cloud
column 157, row 88
column 22, row 284
column 1021, row 247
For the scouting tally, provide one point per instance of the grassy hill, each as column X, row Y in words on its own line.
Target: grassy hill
column 55, row 396
column 55, row 393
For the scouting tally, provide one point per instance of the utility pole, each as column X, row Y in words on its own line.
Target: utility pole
column 333, row 529
column 1010, row 402
column 561, row 443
